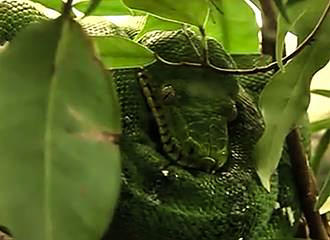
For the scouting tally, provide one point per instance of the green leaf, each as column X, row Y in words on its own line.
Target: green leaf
column 322, row 92
column 92, row 6
column 56, row 5
column 312, row 13
column 105, row 8
column 320, row 150
column 283, row 27
column 237, row 24
column 119, row 52
column 320, row 125
column 59, row 117
column 325, row 208
column 256, row 3
column 154, row 23
column 324, row 193
column 285, row 99
column 185, row 11
column 303, row 15
column 282, row 9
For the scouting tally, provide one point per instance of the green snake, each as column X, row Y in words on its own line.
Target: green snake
column 187, row 141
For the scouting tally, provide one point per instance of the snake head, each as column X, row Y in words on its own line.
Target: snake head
column 192, row 108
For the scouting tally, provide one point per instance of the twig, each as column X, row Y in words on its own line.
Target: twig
column 305, row 186
column 67, row 8
column 216, row 7
column 255, row 70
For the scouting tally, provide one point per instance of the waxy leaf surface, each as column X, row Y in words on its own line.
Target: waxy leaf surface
column 59, row 122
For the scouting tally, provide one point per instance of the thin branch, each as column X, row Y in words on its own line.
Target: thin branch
column 67, row 8
column 204, row 46
column 255, row 70
column 269, row 27
column 216, row 7
column 305, row 186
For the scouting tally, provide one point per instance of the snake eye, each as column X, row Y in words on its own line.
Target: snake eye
column 168, row 94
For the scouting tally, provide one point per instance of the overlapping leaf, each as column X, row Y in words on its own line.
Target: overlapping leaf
column 320, row 150
column 324, row 193
column 154, row 23
column 303, row 15
column 284, row 101
column 320, row 124
column 56, row 5
column 92, row 6
column 235, row 22
column 119, row 52
column 282, row 9
column 59, row 120
column 105, row 7
column 325, row 208
column 186, row 11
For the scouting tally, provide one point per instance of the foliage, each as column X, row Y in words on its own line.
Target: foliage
column 285, row 99
column 63, row 138
column 185, row 11
column 56, row 124
column 324, row 193
column 231, row 21
column 320, row 151
column 118, row 52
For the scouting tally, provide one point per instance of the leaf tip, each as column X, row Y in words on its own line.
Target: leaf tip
column 323, row 208
column 264, row 179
